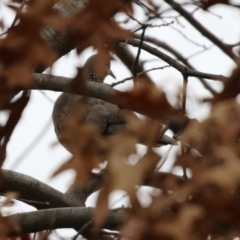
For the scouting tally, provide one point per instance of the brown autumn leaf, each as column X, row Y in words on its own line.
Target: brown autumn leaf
column 6, row 226
column 161, row 211
column 2, row 26
column 147, row 99
column 78, row 82
column 88, row 150
column 231, row 88
column 165, row 181
column 181, row 226
column 15, row 108
column 83, row 165
column 120, row 147
column 219, row 199
column 136, row 127
column 128, row 8
column 16, row 1
column 221, row 128
column 122, row 175
column 9, row 198
column 215, row 171
column 101, row 210
column 208, row 3
column 134, row 228
column 153, row 4
column 26, row 236
column 23, row 48
column 96, row 27
column 194, row 162
column 44, row 235
column 226, row 175
column 81, row 137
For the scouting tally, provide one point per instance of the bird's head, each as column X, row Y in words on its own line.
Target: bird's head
column 90, row 70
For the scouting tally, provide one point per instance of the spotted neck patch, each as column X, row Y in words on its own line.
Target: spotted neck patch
column 92, row 76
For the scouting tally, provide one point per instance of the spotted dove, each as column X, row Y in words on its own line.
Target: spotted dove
column 108, row 117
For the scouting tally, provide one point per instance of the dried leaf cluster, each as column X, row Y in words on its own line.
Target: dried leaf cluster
column 202, row 205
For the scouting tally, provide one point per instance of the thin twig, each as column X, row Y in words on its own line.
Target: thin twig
column 84, row 227
column 153, row 25
column 45, row 235
column 234, row 45
column 199, row 52
column 184, row 93
column 139, row 51
column 164, row 159
column 138, row 74
column 179, row 56
column 187, row 38
column 119, row 199
column 205, row 32
column 47, row 97
column 31, row 201
column 184, row 99
column 15, row 18
column 144, row 6
column 133, row 18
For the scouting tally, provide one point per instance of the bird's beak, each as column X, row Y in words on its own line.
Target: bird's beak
column 111, row 74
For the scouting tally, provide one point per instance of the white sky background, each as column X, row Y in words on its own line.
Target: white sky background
column 43, row 159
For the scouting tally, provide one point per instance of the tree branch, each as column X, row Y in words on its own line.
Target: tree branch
column 42, row 196
column 178, row 55
column 49, row 219
column 189, row 17
column 34, row 192
column 106, row 93
column 127, row 57
column 63, row 84
column 178, row 66
column 100, row 91
column 79, row 217
column 81, row 194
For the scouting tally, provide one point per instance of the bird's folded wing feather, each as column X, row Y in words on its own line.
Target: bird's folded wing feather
column 104, row 114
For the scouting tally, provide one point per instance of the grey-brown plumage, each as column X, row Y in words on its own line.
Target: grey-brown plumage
column 106, row 116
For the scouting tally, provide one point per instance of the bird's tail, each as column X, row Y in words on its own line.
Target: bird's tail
column 165, row 140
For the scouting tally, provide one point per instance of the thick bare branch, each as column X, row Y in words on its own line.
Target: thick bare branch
column 34, row 192
column 97, row 90
column 78, row 217
column 49, row 219
column 42, row 196
column 81, row 194
column 63, row 84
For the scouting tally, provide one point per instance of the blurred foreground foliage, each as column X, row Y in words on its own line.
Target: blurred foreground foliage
column 200, row 203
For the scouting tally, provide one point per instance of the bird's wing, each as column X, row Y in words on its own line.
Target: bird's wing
column 103, row 114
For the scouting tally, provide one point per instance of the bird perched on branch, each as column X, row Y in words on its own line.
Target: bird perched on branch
column 108, row 118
